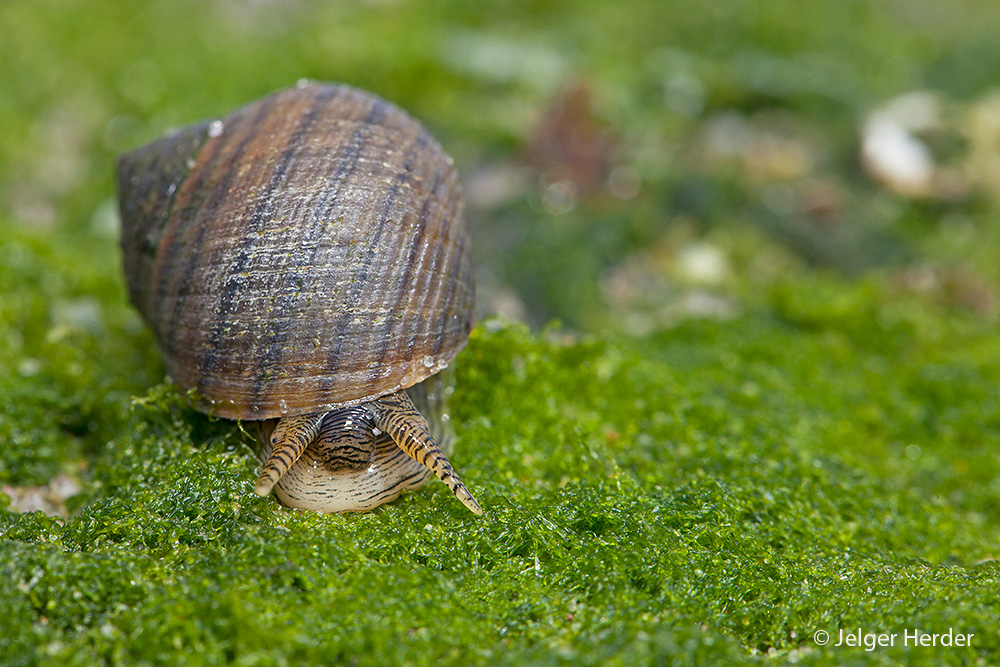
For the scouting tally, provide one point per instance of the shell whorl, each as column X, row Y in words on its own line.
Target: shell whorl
column 307, row 251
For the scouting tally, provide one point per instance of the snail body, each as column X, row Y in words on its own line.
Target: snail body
column 349, row 477
column 303, row 263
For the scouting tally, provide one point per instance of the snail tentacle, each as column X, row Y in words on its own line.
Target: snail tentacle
column 290, row 438
column 396, row 415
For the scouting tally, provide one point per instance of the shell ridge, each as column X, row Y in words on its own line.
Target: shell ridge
column 350, row 158
column 348, row 164
column 437, row 265
column 449, row 296
column 377, row 112
column 147, row 209
column 384, row 219
column 261, row 214
column 179, row 289
column 415, row 244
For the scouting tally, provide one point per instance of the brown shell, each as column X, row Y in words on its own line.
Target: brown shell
column 307, row 251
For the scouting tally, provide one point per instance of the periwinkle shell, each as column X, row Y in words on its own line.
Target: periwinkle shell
column 307, row 251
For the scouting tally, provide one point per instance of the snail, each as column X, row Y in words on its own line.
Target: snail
column 304, row 266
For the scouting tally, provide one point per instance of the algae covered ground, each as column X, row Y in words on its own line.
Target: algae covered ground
column 743, row 390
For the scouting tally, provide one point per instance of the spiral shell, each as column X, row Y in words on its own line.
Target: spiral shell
column 308, row 248
column 304, row 254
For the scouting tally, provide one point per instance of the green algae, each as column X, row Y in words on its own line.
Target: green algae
column 819, row 454
column 724, row 487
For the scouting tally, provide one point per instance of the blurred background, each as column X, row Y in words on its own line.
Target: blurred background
column 776, row 220
column 627, row 165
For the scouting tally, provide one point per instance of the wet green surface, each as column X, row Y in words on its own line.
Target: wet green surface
column 772, row 407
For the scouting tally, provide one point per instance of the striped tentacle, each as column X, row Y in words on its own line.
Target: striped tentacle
column 290, row 438
column 396, row 415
